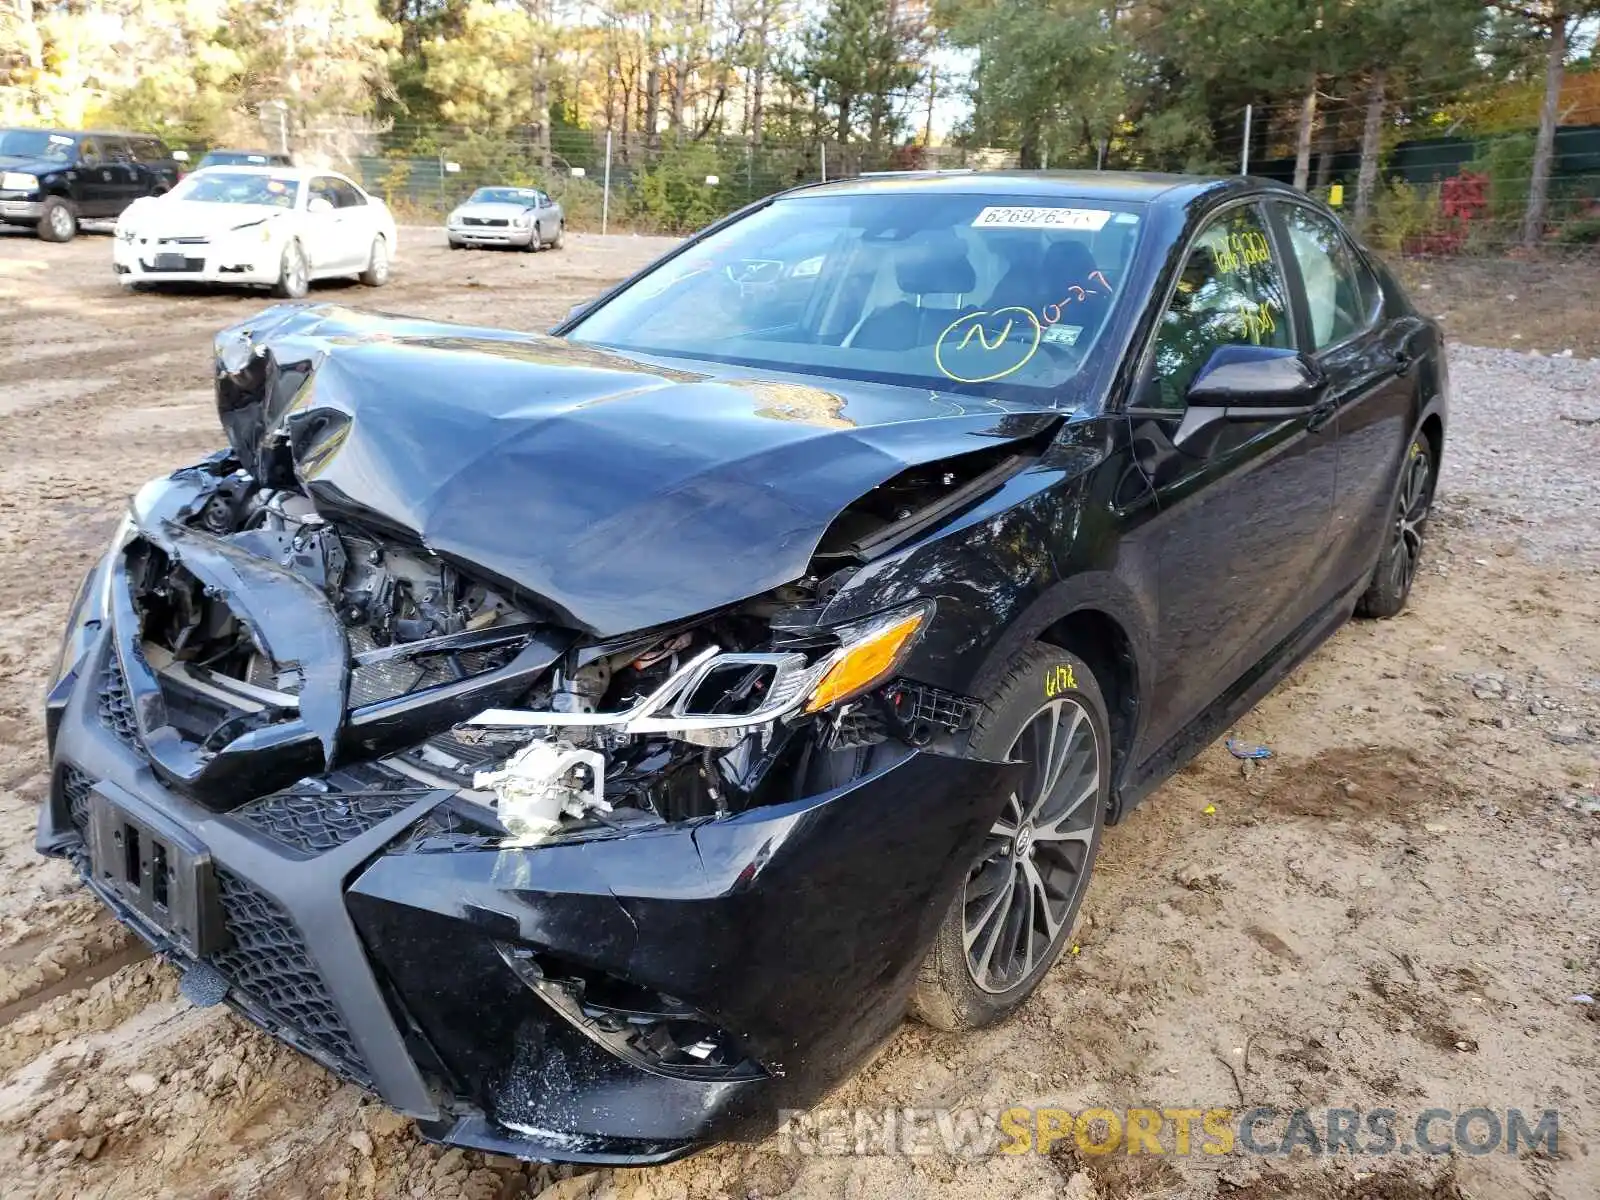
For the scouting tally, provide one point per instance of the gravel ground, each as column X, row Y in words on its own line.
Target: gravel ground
column 1524, row 450
column 1395, row 910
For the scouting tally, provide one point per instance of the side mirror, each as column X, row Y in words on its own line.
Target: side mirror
column 1252, row 383
column 180, row 155
column 1256, row 378
column 319, row 204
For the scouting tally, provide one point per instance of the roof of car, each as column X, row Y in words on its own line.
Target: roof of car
column 1135, row 186
column 237, row 150
column 276, row 170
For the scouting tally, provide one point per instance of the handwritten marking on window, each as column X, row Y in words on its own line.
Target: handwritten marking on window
column 1247, row 249
column 1257, row 321
column 1076, row 294
column 983, row 346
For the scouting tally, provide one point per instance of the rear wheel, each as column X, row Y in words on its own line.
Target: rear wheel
column 1402, row 549
column 1016, row 908
column 294, row 275
column 58, row 220
column 377, row 272
column 561, row 229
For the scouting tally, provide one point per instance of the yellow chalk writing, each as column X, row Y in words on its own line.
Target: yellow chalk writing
column 989, row 359
column 1059, row 679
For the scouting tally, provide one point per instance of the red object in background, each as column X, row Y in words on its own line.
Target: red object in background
column 1463, row 199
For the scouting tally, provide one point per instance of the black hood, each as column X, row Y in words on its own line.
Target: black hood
column 28, row 164
column 622, row 493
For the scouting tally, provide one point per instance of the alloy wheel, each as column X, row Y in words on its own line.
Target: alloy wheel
column 379, row 267
column 61, row 222
column 1405, row 548
column 1018, row 896
column 294, row 271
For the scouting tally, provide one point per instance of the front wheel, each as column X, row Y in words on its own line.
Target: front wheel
column 294, row 275
column 1402, row 548
column 1016, row 908
column 58, row 220
column 377, row 272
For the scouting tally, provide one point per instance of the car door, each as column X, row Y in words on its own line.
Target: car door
column 356, row 223
column 1371, row 379
column 127, row 180
column 94, row 187
column 1244, row 506
column 324, row 229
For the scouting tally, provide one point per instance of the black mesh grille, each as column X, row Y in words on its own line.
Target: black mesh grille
column 269, row 964
column 75, row 788
column 920, row 704
column 314, row 823
column 116, row 708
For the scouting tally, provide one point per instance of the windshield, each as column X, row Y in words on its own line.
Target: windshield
column 35, row 143
column 238, row 187
column 503, row 196
column 936, row 290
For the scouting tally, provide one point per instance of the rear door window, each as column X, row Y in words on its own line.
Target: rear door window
column 116, row 150
column 1341, row 294
column 345, row 194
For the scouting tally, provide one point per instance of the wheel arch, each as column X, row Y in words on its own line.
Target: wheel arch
column 1100, row 640
column 1101, row 619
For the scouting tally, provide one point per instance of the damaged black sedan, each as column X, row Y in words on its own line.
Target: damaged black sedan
column 593, row 744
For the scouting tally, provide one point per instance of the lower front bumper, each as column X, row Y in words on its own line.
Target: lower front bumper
column 480, row 235
column 366, row 929
column 21, row 212
column 255, row 265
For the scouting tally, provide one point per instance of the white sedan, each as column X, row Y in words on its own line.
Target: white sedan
column 279, row 227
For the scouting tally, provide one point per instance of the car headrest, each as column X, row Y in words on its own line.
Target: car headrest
column 1067, row 263
column 934, row 263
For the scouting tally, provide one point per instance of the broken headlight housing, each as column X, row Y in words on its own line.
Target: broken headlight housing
column 716, row 698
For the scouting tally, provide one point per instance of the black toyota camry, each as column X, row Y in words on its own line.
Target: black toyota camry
column 595, row 743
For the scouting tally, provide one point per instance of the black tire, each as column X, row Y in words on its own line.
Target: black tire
column 535, row 242
column 293, row 283
column 58, row 220
column 377, row 272
column 1042, row 689
column 455, row 245
column 1403, row 537
column 561, row 229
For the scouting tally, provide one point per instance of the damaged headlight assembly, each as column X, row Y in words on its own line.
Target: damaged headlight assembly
column 716, row 699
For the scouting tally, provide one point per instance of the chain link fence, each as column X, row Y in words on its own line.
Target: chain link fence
column 1435, row 191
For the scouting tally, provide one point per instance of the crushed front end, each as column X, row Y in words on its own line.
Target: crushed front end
column 554, row 891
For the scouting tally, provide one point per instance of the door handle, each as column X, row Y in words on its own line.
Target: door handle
column 1402, row 361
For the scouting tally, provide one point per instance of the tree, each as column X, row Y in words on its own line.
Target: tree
column 1549, row 22
column 860, row 57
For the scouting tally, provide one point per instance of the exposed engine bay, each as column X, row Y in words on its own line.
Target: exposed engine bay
column 701, row 720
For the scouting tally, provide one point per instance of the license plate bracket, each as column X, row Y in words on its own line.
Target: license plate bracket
column 155, row 867
column 171, row 262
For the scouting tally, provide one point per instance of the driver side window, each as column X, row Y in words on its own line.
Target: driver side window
column 1229, row 292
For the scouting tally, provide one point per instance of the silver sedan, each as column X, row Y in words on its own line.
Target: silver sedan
column 507, row 216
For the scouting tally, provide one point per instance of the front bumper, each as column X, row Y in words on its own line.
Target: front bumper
column 247, row 261
column 365, row 928
column 20, row 211
column 491, row 235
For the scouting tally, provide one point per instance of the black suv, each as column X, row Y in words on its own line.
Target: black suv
column 51, row 179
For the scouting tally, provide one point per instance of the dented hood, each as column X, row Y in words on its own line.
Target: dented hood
column 622, row 493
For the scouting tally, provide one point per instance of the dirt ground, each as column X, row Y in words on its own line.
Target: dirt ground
column 1395, row 910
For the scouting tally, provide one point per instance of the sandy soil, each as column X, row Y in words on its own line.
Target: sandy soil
column 1395, row 910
